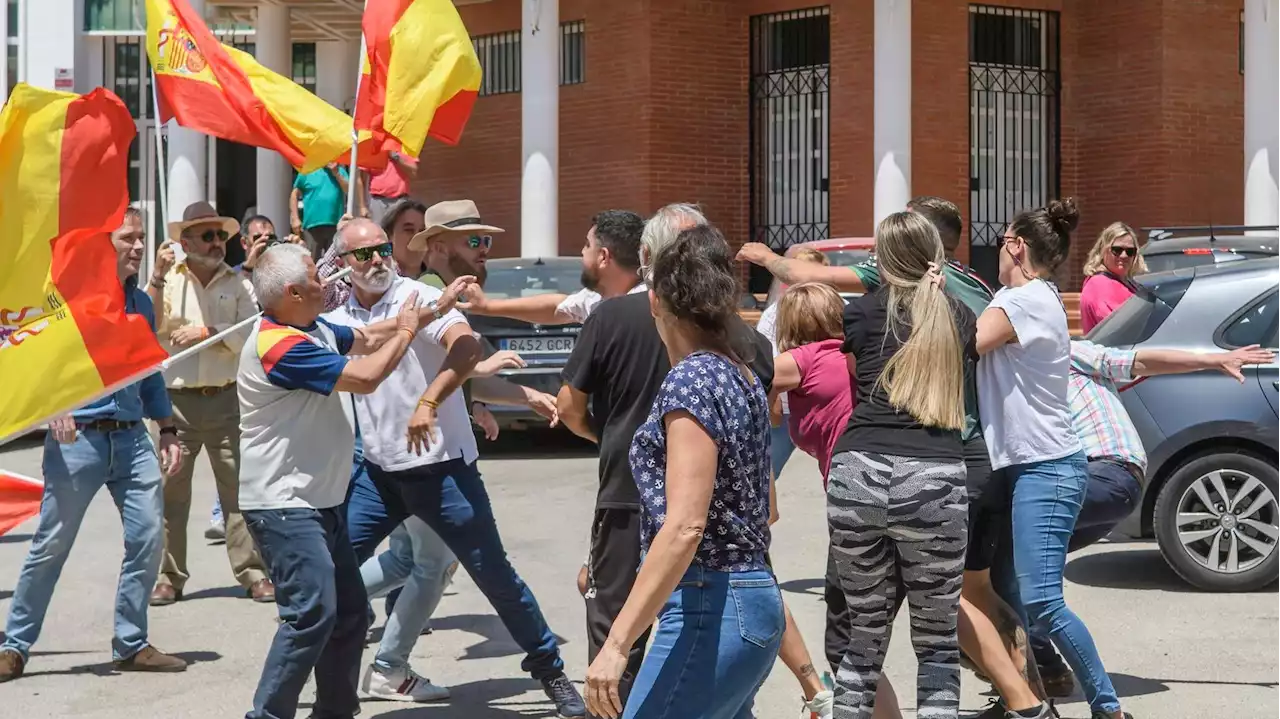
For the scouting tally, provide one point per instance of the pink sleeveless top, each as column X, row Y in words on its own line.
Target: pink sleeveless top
column 1100, row 296
column 821, row 405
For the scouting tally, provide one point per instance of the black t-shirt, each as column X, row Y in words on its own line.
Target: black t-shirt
column 875, row 426
column 620, row 362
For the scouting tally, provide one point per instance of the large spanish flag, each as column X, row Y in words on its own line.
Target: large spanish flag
column 224, row 92
column 65, row 339
column 20, row 498
column 420, row 76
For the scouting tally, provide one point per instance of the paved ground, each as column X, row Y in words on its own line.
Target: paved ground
column 1173, row 653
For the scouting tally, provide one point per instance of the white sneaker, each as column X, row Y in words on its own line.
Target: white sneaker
column 400, row 685
column 820, row 706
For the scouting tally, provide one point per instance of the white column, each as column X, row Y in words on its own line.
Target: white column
column 539, row 128
column 892, row 113
column 1261, row 112
column 188, row 155
column 49, row 36
column 274, row 49
column 336, row 72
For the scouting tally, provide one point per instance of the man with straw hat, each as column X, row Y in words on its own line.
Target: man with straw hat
column 196, row 298
column 456, row 240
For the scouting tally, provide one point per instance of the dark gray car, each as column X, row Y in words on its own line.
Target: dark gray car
column 1210, row 494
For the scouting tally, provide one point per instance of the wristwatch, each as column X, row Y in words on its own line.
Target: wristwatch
column 169, row 430
column 434, row 308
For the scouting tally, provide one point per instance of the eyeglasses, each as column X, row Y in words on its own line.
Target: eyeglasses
column 475, row 242
column 211, row 236
column 1124, row 251
column 1005, row 239
column 364, row 254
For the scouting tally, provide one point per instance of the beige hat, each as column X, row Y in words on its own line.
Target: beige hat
column 450, row 216
column 201, row 213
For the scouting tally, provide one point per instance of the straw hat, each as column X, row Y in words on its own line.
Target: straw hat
column 450, row 216
column 201, row 213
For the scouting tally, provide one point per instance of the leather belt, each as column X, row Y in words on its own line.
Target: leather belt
column 106, row 425
column 204, row 391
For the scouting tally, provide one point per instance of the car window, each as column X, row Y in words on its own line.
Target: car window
column 1167, row 261
column 1255, row 326
column 1135, row 321
column 848, row 258
column 533, row 279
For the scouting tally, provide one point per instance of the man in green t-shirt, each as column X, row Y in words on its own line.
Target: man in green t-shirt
column 323, row 195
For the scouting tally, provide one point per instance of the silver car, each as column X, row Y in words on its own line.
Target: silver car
column 1211, row 486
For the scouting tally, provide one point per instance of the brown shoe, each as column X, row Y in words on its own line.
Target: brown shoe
column 11, row 665
column 164, row 595
column 263, row 591
column 151, row 659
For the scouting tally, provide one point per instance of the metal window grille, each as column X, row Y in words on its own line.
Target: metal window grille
column 304, row 64
column 499, row 56
column 1014, row 122
column 573, row 53
column 789, row 128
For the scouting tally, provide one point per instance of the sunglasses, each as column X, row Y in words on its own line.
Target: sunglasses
column 364, row 254
column 475, row 242
column 1124, row 251
column 211, row 236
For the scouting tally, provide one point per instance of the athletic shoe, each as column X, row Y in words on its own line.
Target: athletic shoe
column 217, row 532
column 400, row 685
column 1046, row 712
column 566, row 697
column 820, row 706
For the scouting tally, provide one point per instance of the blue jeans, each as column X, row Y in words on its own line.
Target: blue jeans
column 322, row 610
column 451, row 499
column 1047, row 497
column 716, row 640
column 780, row 445
column 125, row 462
column 421, row 562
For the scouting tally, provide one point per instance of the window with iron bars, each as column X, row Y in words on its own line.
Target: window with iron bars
column 304, row 65
column 499, row 55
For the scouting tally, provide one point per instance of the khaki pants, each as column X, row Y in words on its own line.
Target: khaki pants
column 211, row 422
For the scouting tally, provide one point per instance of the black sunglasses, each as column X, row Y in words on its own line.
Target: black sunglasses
column 211, row 236
column 1124, row 251
column 475, row 242
column 364, row 254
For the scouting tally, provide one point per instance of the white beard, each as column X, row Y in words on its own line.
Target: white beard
column 375, row 279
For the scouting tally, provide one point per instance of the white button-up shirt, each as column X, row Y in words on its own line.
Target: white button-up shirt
column 226, row 300
column 580, row 304
column 384, row 415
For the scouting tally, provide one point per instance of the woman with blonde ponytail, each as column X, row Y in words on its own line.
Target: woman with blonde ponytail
column 896, row 500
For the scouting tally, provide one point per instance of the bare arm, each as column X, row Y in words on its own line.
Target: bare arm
column 538, row 310
column 1148, row 363
column 408, row 169
column 994, row 330
column 363, row 374
column 370, row 337
column 463, row 351
column 295, row 220
column 571, row 404
column 793, row 272
column 496, row 390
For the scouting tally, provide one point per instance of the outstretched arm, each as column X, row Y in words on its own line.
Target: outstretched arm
column 791, row 272
column 1148, row 363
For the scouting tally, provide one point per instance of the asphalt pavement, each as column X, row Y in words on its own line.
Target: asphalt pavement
column 1173, row 653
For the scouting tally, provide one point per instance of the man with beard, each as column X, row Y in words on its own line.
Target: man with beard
column 433, row 479
column 196, row 299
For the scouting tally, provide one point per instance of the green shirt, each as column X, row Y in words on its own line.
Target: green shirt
column 322, row 198
column 965, row 286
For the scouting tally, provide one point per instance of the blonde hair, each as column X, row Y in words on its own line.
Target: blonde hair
column 808, row 254
column 925, row 377
column 1095, row 262
column 809, row 312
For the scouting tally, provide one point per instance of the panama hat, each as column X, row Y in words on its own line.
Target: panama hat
column 450, row 216
column 201, row 213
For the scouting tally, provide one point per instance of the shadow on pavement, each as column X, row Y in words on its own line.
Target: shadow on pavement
column 811, row 587
column 34, row 439
column 233, row 592
column 473, row 701
column 497, row 641
column 14, row 538
column 5, row 594
column 536, row 444
column 1127, row 569
column 105, row 669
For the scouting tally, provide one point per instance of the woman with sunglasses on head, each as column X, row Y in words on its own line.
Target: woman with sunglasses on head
column 701, row 463
column 1022, row 394
column 896, row 498
column 1109, row 270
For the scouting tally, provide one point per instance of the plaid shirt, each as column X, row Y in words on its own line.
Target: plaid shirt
column 1097, row 414
column 335, row 293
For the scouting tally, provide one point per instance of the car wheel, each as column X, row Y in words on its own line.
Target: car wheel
column 1216, row 522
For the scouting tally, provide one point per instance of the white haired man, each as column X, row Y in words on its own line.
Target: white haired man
column 296, row 444
column 434, row 478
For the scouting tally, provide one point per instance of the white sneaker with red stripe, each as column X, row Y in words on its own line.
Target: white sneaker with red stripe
column 400, row 685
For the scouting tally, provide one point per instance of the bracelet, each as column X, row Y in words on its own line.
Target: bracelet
column 428, row 403
column 407, row 331
column 169, row 430
column 157, row 283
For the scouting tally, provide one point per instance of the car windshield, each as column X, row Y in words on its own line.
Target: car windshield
column 1135, row 321
column 529, row 279
column 847, row 258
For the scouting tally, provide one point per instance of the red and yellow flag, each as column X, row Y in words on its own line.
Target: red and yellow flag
column 65, row 339
column 221, row 91
column 420, row 76
column 20, row 498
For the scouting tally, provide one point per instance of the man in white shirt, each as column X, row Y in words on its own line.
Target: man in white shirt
column 434, row 477
column 296, row 442
column 196, row 299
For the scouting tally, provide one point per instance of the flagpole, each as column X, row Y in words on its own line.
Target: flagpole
column 355, row 134
column 162, row 169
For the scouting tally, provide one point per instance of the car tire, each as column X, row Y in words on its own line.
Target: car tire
column 1179, row 494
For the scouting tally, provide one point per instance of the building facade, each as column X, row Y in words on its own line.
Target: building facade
column 787, row 120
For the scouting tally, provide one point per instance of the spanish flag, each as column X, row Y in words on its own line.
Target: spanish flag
column 420, row 77
column 224, row 92
column 65, row 339
column 20, row 498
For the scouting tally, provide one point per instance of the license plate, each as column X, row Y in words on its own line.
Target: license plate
column 538, row 345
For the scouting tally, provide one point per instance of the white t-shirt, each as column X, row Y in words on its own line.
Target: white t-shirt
column 1022, row 386
column 579, row 305
column 296, row 433
column 384, row 414
column 767, row 325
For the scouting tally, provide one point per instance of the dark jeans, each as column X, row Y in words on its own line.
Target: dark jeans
column 450, row 497
column 615, row 560
column 322, row 607
column 1111, row 495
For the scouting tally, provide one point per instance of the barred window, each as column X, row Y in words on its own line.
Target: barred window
column 499, row 56
column 573, row 53
column 304, row 65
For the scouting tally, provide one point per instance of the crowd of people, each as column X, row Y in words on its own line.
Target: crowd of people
column 965, row 441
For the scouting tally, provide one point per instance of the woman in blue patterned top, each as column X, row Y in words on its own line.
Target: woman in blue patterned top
column 701, row 462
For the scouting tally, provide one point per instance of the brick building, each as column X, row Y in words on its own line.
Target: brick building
column 764, row 112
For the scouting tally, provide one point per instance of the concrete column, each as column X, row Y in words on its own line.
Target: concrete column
column 274, row 49
column 188, row 156
column 336, row 72
column 539, row 128
column 892, row 111
column 49, row 33
column 1261, row 112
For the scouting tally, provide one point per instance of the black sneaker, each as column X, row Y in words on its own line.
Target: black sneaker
column 566, row 697
column 995, row 710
